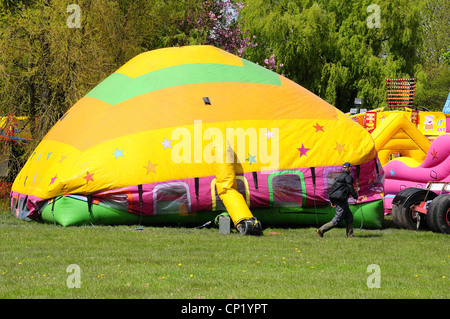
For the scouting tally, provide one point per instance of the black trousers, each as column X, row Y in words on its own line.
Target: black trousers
column 342, row 212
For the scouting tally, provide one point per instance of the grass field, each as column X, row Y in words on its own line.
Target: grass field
column 182, row 263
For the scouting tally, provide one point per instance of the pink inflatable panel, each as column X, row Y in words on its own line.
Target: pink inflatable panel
column 435, row 168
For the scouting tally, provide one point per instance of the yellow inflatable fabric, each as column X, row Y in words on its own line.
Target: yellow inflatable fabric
column 396, row 134
column 227, row 186
column 156, row 121
column 127, row 131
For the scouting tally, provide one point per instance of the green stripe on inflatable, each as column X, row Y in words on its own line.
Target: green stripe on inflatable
column 369, row 215
column 70, row 211
column 118, row 87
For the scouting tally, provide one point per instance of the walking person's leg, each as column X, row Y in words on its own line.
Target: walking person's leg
column 326, row 227
column 333, row 223
column 348, row 217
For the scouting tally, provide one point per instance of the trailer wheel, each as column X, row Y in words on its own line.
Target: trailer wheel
column 438, row 214
column 402, row 215
column 396, row 214
column 431, row 216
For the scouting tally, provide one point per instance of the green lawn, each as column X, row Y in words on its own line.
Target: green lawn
column 122, row 262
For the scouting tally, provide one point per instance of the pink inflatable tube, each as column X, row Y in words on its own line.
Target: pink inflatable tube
column 435, row 167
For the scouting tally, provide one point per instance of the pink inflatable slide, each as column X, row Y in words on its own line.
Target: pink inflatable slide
column 403, row 172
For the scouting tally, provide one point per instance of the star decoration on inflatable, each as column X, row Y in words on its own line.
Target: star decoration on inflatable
column 269, row 134
column 167, row 143
column 303, row 150
column 52, row 181
column 118, row 153
column 251, row 158
column 318, row 127
column 340, row 148
column 434, row 154
column 88, row 177
column 150, row 167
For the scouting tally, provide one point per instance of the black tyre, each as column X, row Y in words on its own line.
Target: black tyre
column 397, row 207
column 402, row 215
column 431, row 216
column 438, row 214
column 396, row 212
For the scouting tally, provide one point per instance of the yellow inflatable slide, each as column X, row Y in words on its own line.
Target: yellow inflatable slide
column 398, row 136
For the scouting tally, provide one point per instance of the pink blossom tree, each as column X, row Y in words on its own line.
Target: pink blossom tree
column 218, row 21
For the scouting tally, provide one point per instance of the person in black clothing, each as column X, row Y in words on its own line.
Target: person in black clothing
column 339, row 194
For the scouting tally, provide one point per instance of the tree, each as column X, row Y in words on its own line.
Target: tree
column 48, row 63
column 434, row 74
column 48, row 66
column 217, row 24
column 329, row 48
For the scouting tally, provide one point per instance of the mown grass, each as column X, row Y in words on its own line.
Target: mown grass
column 182, row 263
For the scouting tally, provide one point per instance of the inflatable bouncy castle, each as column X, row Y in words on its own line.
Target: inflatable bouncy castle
column 177, row 136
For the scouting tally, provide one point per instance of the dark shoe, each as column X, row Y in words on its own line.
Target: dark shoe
column 349, row 231
column 319, row 232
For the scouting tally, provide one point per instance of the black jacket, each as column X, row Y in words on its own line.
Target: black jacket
column 342, row 188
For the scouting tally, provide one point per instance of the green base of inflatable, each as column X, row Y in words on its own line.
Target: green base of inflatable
column 72, row 211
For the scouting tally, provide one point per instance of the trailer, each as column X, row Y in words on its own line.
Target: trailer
column 423, row 208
